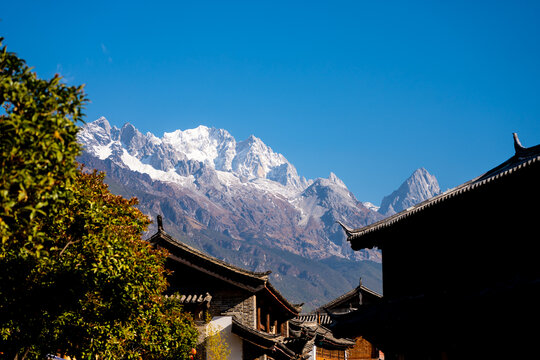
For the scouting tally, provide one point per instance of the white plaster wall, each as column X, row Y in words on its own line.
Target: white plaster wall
column 313, row 353
column 224, row 323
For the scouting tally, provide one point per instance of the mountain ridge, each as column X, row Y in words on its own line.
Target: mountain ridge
column 210, row 162
column 241, row 202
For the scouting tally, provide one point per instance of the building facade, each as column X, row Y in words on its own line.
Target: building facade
column 250, row 314
column 328, row 346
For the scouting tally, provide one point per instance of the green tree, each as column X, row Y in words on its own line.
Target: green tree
column 37, row 166
column 216, row 345
column 122, row 313
column 75, row 278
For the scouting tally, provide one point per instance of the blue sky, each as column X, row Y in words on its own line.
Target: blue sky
column 370, row 90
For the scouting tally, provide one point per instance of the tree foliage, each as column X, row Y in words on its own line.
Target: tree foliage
column 75, row 278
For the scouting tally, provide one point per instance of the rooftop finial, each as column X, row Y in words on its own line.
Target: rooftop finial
column 517, row 144
column 360, row 297
column 159, row 223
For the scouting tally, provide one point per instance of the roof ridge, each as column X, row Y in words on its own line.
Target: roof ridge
column 163, row 234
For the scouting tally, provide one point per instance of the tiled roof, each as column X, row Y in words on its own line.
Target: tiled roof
column 249, row 280
column 272, row 343
column 523, row 158
column 321, row 316
column 204, row 258
column 307, row 327
column 354, row 292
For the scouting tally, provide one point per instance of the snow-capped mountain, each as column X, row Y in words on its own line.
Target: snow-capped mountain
column 245, row 203
column 241, row 202
column 204, row 178
column 371, row 206
column 171, row 158
column 420, row 186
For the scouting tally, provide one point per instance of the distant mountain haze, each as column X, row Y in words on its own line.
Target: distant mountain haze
column 244, row 203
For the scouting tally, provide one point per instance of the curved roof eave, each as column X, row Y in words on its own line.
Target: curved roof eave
column 292, row 308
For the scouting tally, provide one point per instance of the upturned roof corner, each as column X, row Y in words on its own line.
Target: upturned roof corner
column 347, row 230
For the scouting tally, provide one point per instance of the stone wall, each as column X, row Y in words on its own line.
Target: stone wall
column 237, row 303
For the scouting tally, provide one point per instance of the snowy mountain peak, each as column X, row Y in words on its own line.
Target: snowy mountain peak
column 333, row 178
column 254, row 159
column 420, row 186
column 252, row 138
column 211, row 146
column 425, row 184
column 97, row 137
column 99, row 131
column 103, row 123
column 370, row 206
column 129, row 134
